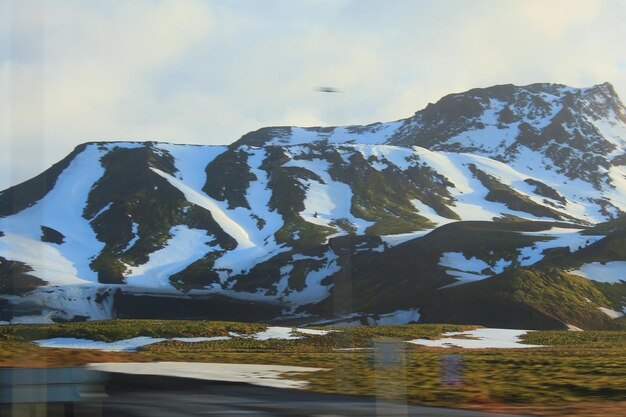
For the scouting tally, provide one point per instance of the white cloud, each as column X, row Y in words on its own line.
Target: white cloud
column 91, row 70
column 554, row 18
column 208, row 71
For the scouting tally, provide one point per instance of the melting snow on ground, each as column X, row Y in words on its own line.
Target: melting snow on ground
column 262, row 375
column 314, row 331
column 393, row 240
column 463, row 269
column 474, row 339
column 62, row 210
column 467, row 270
column 611, row 313
column 182, row 249
column 127, row 345
column 479, row 339
column 131, row 345
column 430, row 214
column 611, row 272
column 564, row 237
column 47, row 260
column 255, row 242
column 213, row 206
column 329, row 200
column 283, row 333
column 314, row 290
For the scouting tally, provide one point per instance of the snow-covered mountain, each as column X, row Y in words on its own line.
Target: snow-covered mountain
column 370, row 223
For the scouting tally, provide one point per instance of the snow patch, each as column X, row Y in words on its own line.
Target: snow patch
column 611, row 313
column 135, row 238
column 62, row 210
column 127, row 345
column 610, row 272
column 314, row 291
column 479, row 339
column 46, row 260
column 131, row 345
column 315, row 332
column 394, row 240
column 181, row 250
column 225, row 222
column 458, row 261
column 430, row 214
column 463, row 269
column 463, row 278
column 275, row 332
column 253, row 229
column 329, row 201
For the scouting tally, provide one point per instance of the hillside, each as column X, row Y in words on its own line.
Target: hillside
column 500, row 206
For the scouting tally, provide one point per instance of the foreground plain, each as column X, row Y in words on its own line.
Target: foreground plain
column 584, row 370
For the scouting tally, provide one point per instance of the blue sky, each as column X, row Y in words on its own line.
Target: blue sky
column 206, row 72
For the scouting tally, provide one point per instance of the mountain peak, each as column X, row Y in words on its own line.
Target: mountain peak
column 501, row 105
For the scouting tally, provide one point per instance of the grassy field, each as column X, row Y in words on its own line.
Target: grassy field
column 572, row 367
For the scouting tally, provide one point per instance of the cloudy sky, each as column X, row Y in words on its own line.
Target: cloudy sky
column 206, row 72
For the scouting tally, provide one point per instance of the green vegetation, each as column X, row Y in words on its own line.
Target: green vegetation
column 131, row 199
column 433, row 189
column 51, row 235
column 14, row 278
column 114, row 330
column 288, row 199
column 198, row 274
column 616, row 293
column 589, row 339
column 545, row 190
column 524, row 297
column 604, row 228
column 571, row 367
column 409, row 274
column 610, row 248
column 228, row 178
column 383, row 197
column 135, row 194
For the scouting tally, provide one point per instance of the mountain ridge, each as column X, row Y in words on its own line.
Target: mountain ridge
column 309, row 222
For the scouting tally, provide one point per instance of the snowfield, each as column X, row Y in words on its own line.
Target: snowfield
column 62, row 210
column 181, row 250
column 479, row 339
column 470, row 270
column 214, row 207
column 329, row 200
